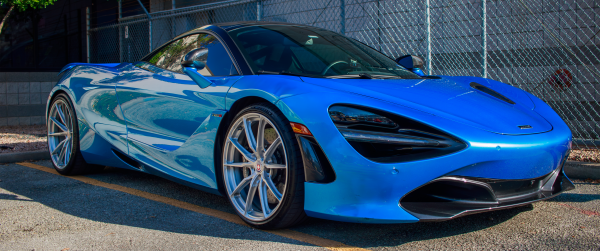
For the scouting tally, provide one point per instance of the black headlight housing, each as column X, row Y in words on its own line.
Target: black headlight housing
column 389, row 138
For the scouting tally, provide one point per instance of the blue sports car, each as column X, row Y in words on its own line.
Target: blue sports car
column 289, row 121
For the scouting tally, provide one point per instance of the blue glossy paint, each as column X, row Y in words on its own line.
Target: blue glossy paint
column 418, row 72
column 165, row 121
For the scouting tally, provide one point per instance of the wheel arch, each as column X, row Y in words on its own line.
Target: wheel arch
column 235, row 108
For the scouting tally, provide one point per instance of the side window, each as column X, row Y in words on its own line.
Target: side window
column 218, row 62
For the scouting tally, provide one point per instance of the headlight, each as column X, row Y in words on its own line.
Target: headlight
column 388, row 138
column 349, row 116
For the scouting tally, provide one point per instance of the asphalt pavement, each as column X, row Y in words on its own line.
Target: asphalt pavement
column 127, row 210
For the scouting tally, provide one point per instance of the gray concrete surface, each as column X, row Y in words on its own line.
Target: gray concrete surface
column 24, row 156
column 44, row 211
column 582, row 170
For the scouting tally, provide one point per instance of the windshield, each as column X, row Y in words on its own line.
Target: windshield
column 276, row 49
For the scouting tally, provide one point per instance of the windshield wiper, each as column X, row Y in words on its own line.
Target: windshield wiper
column 289, row 74
column 365, row 76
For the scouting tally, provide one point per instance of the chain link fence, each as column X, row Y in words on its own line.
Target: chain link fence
column 546, row 47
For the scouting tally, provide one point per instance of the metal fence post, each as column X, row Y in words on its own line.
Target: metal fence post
column 87, row 32
column 258, row 10
column 484, row 38
column 379, row 24
column 173, row 31
column 343, row 17
column 120, row 33
column 149, row 26
column 428, row 21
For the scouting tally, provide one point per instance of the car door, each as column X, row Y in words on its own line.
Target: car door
column 165, row 109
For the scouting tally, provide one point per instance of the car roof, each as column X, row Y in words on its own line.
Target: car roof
column 233, row 25
column 228, row 26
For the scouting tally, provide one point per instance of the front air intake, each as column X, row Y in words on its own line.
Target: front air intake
column 451, row 196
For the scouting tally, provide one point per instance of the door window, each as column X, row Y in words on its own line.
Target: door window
column 218, row 62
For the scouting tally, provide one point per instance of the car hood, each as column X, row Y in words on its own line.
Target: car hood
column 452, row 98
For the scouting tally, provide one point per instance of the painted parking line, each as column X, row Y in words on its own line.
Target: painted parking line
column 291, row 234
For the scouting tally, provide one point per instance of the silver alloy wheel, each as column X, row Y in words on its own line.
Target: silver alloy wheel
column 254, row 164
column 60, row 133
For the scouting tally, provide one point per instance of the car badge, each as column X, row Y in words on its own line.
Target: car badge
column 353, row 62
column 258, row 167
column 525, row 127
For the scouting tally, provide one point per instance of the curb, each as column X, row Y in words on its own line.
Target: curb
column 573, row 169
column 24, row 156
column 582, row 170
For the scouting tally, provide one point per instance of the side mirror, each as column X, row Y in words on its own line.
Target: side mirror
column 192, row 63
column 412, row 63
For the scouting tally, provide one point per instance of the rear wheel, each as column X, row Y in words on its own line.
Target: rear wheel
column 262, row 168
column 63, row 139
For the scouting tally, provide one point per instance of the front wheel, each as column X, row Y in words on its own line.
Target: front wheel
column 63, row 138
column 262, row 168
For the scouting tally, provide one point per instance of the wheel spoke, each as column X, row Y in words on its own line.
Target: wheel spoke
column 249, row 134
column 251, row 192
column 260, row 137
column 67, row 149
column 264, row 201
column 58, row 134
column 276, row 166
column 269, row 183
column 241, row 186
column 238, row 164
column 241, row 149
column 272, row 148
column 59, row 146
column 60, row 114
column 60, row 125
column 62, row 154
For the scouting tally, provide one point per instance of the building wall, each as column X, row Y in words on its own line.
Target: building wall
column 23, row 97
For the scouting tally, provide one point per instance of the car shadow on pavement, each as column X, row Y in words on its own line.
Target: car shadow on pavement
column 391, row 235
column 114, row 207
column 4, row 196
column 579, row 197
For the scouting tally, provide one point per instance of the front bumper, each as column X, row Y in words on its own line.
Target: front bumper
column 370, row 192
column 450, row 197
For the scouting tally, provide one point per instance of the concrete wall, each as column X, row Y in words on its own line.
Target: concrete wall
column 23, row 97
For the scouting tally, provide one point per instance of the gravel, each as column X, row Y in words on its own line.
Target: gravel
column 586, row 155
column 14, row 139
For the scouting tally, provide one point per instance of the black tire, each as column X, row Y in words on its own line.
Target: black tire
column 291, row 208
column 76, row 165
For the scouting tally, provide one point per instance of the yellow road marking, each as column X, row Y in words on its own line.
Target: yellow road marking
column 290, row 234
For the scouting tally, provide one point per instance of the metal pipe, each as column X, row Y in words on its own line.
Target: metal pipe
column 120, row 33
column 87, row 32
column 149, row 25
column 173, row 30
column 484, row 38
column 343, row 17
column 258, row 10
column 379, row 24
column 428, row 21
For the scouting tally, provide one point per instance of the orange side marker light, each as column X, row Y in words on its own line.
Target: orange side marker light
column 300, row 129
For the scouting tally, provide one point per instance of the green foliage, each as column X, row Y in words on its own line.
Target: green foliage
column 23, row 5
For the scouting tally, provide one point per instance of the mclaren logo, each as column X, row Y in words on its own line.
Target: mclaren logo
column 525, row 127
